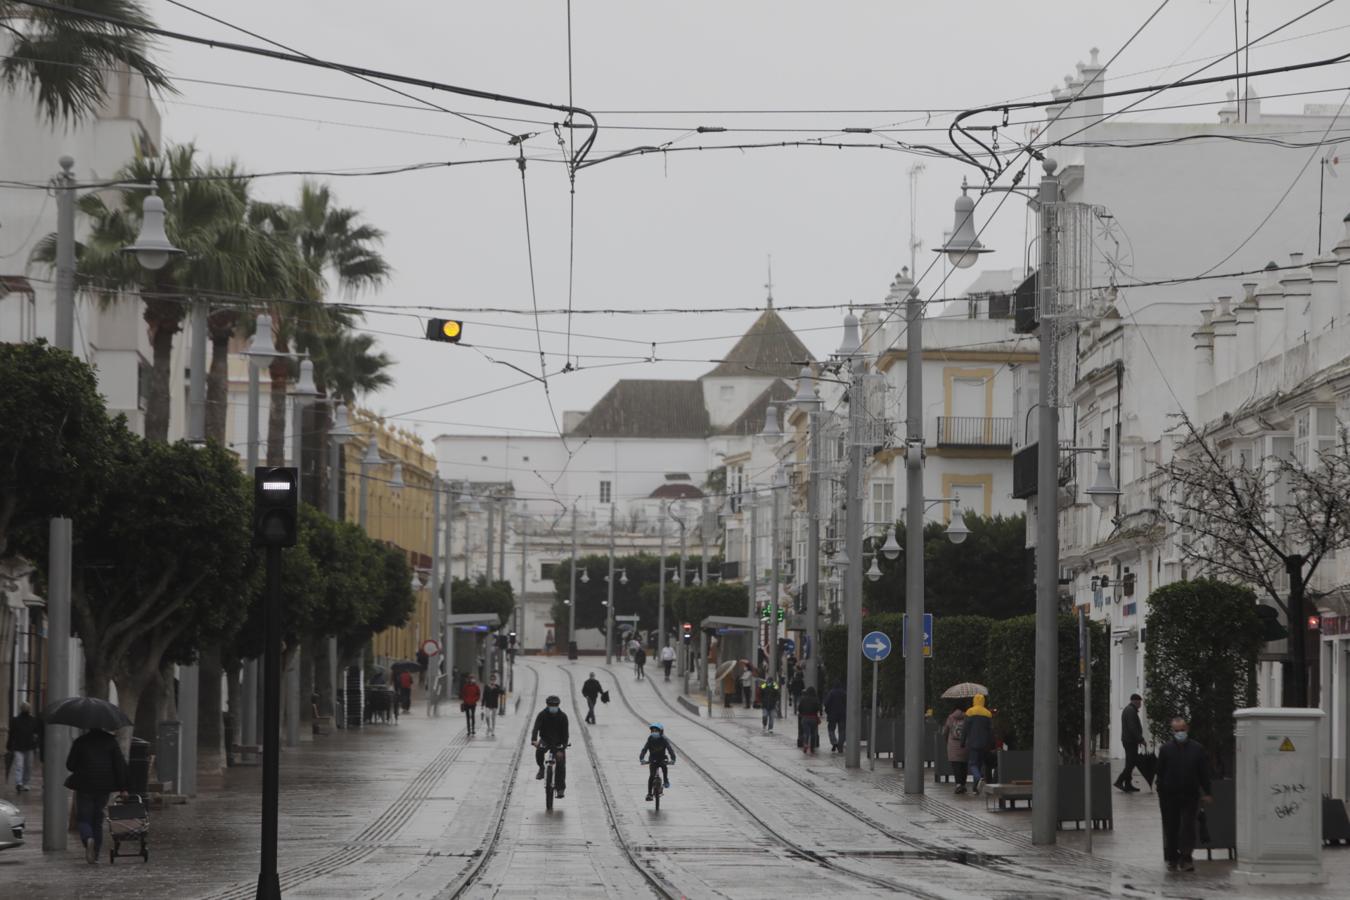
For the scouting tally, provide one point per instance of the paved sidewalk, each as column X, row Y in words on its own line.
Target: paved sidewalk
column 361, row 811
column 1127, row 859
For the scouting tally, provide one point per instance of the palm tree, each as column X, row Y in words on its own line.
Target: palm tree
column 334, row 244
column 224, row 258
column 64, row 61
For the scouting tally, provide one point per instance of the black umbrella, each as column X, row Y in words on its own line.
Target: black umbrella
column 405, row 665
column 86, row 712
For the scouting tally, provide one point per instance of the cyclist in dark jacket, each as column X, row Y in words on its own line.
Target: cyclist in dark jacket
column 550, row 732
column 97, row 768
column 659, row 747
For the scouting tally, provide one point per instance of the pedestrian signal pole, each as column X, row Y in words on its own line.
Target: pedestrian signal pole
column 275, row 526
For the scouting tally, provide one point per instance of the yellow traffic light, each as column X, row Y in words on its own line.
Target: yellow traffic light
column 447, row 330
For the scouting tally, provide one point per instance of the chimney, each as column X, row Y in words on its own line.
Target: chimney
column 1225, row 341
column 1093, row 76
column 1342, row 253
column 1325, row 294
column 1246, row 313
column 1270, row 315
column 1204, row 353
column 1297, row 283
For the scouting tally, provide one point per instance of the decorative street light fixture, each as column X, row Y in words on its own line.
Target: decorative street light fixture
column 963, row 247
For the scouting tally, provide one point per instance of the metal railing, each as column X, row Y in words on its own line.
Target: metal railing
column 974, row 431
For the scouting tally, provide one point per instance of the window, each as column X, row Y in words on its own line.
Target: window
column 883, row 501
column 1314, row 433
column 546, row 571
column 604, row 492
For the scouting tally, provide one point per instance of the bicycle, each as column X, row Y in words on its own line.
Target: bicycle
column 655, row 786
column 549, row 760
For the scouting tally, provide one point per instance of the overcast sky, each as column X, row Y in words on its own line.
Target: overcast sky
column 689, row 230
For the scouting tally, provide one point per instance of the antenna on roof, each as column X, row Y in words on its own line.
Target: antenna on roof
column 768, row 286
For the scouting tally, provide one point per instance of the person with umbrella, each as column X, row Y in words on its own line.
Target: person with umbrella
column 96, row 764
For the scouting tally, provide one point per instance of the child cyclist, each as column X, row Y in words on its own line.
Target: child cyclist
column 662, row 754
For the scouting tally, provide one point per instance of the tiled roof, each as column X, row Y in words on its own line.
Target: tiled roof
column 770, row 347
column 648, row 408
column 751, row 421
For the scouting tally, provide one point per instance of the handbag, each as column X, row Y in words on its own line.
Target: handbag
column 604, row 696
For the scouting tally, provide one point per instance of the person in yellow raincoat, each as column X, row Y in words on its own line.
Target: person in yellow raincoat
column 978, row 740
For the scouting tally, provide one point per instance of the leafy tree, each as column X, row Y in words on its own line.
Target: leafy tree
column 483, row 597
column 161, row 561
column 960, row 653
column 64, row 60
column 1203, row 641
column 55, row 441
column 637, row 596
column 834, row 653
column 694, row 604
column 986, row 575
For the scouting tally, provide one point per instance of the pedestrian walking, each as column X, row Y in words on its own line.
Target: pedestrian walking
column 1182, row 783
column 978, row 740
column 667, row 659
column 1132, row 737
column 469, row 696
column 836, row 707
column 97, row 769
column 591, row 690
column 748, row 683
column 405, row 682
column 808, row 721
column 422, row 660
column 25, row 738
column 796, row 684
column 640, row 661
column 492, row 703
column 768, row 703
column 634, row 645
column 954, row 730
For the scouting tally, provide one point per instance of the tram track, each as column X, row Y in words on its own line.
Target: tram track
column 794, row 848
column 920, row 849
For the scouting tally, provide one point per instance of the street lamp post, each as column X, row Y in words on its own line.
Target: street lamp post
column 609, row 589
column 338, row 435
column 152, row 250
column 850, row 352
column 661, row 583
column 809, row 402
column 302, row 395
column 572, row 592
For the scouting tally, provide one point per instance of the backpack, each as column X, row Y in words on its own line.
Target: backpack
column 959, row 731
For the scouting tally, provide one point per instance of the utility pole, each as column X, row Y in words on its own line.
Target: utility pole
column 661, row 585
column 188, row 675
column 572, row 592
column 703, row 541
column 1045, row 750
column 447, row 628
column 491, row 513
column 779, row 485
column 334, row 513
column 754, row 555
column 57, row 737
column 437, row 608
column 853, row 544
column 64, row 337
column 501, row 545
column 813, row 550
column 248, row 699
column 517, row 612
column 914, row 508
column 609, row 594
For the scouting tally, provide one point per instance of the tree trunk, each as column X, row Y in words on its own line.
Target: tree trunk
column 222, row 323
column 210, row 725
column 276, row 414
column 165, row 319
column 145, row 694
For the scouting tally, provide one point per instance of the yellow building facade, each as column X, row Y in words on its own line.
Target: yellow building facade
column 400, row 517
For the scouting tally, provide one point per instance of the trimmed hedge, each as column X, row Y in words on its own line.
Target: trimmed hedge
column 998, row 653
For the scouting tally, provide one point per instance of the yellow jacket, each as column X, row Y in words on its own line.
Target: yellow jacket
column 977, row 709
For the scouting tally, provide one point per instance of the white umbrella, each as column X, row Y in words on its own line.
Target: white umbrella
column 964, row 689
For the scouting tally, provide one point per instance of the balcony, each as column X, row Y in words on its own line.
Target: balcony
column 974, row 432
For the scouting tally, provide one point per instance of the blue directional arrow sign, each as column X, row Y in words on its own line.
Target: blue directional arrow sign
column 876, row 646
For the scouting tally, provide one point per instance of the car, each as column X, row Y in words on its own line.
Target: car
column 11, row 825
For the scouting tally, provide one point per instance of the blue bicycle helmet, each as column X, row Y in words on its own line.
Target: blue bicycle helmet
column 657, row 726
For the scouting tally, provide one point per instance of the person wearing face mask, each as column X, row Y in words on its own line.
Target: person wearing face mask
column 1182, row 785
column 550, row 731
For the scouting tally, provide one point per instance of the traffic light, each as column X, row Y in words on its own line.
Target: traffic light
column 447, row 331
column 782, row 614
column 764, row 614
column 1315, row 622
column 688, row 630
column 276, row 506
column 1271, row 629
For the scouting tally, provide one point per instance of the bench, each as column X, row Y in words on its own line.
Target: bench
column 1008, row 794
column 247, row 754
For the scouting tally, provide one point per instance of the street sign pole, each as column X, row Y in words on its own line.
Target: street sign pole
column 876, row 646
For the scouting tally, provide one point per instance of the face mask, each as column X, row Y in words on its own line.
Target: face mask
column 553, row 709
column 1179, row 735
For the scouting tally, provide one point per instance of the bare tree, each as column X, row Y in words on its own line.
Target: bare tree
column 1267, row 523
